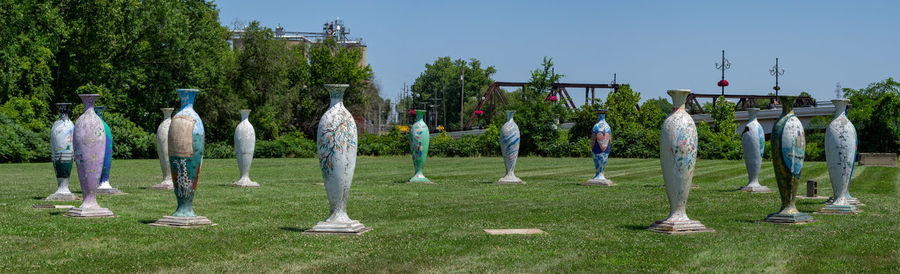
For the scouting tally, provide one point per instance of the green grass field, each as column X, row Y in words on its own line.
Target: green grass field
column 438, row 228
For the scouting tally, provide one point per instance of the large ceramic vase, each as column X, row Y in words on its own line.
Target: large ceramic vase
column 753, row 142
column 89, row 141
column 61, row 152
column 185, row 159
column 509, row 147
column 788, row 149
column 244, row 144
column 105, row 187
column 678, row 154
column 418, row 145
column 601, row 143
column 337, row 144
column 162, row 150
column 840, row 153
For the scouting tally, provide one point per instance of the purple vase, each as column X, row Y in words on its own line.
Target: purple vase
column 89, row 140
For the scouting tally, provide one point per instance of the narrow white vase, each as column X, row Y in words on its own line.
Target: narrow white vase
column 162, row 150
column 336, row 141
column 509, row 147
column 753, row 142
column 61, row 151
column 840, row 153
column 678, row 155
column 244, row 144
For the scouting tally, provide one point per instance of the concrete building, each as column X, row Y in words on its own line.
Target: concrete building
column 334, row 29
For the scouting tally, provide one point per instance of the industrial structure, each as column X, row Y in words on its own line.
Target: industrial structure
column 334, row 29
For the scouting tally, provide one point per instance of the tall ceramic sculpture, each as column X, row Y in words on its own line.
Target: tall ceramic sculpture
column 788, row 150
column 185, row 159
column 89, row 140
column 61, row 152
column 162, row 150
column 337, row 144
column 418, row 143
column 678, row 154
column 753, row 142
column 840, row 154
column 244, row 144
column 601, row 141
column 509, row 147
column 105, row 187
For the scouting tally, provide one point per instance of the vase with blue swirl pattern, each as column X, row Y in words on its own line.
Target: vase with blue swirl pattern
column 509, row 148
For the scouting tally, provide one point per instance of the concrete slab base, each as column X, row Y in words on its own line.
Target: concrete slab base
column 244, row 184
column 509, row 181
column 90, row 212
column 52, row 206
column 797, row 218
column 349, row 228
column 110, row 191
column 593, row 182
column 62, row 197
column 755, row 189
column 162, row 186
column 183, row 222
column 838, row 209
column 679, row 227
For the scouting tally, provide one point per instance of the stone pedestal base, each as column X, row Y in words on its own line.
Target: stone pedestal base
column 163, row 186
column 838, row 209
column 244, row 183
column 349, row 228
column 421, row 180
column 755, row 189
column 601, row 182
column 679, row 227
column 852, row 201
column 112, row 191
column 62, row 197
column 796, row 218
column 185, row 222
column 90, row 212
column 509, row 181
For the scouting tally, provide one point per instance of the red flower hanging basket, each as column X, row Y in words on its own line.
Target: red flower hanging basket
column 479, row 112
column 552, row 98
column 723, row 83
column 412, row 112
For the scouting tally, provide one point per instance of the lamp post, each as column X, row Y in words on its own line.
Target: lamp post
column 775, row 71
column 723, row 66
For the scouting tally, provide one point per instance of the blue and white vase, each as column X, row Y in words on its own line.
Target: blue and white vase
column 186, row 147
column 244, row 146
column 678, row 155
column 61, row 152
column 753, row 143
column 162, row 150
column 601, row 143
column 336, row 139
column 105, row 187
column 840, row 155
column 788, row 150
column 509, row 147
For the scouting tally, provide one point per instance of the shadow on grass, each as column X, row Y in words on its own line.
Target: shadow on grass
column 729, row 190
column 57, row 213
column 37, row 198
column 293, row 229
column 147, row 221
column 634, row 227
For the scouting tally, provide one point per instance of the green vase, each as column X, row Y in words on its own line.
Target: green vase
column 418, row 144
column 788, row 150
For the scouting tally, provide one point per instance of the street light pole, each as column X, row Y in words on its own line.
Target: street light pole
column 776, row 72
column 462, row 94
column 724, row 65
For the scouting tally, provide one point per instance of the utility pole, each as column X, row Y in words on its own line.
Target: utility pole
column 462, row 94
column 776, row 72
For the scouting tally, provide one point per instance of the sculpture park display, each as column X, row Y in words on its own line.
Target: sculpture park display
column 509, row 147
column 244, row 145
column 788, row 149
column 336, row 140
column 601, row 143
column 185, row 142
column 418, row 144
column 105, row 187
column 678, row 154
column 753, row 142
column 840, row 155
column 162, row 150
column 89, row 141
column 61, row 152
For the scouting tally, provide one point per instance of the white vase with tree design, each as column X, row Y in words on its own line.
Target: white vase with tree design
column 840, row 156
column 753, row 143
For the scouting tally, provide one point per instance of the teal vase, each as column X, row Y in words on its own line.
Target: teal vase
column 418, row 144
column 788, row 150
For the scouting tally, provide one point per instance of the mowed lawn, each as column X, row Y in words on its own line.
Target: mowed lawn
column 438, row 228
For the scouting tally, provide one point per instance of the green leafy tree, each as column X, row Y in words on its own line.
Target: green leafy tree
column 720, row 141
column 875, row 112
column 536, row 116
column 441, row 79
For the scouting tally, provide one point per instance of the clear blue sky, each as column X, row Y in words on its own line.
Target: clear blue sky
column 652, row 45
